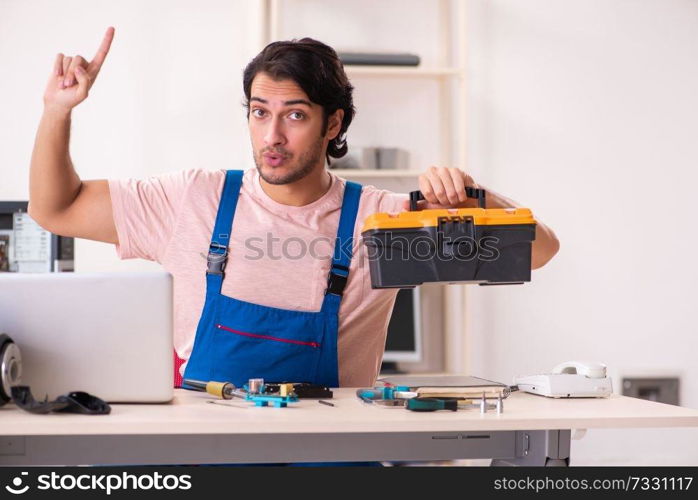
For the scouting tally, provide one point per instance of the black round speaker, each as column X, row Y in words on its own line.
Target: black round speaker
column 10, row 367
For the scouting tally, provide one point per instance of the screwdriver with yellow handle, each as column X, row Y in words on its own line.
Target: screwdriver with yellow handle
column 224, row 390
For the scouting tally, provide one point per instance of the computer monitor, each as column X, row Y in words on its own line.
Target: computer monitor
column 27, row 247
column 404, row 339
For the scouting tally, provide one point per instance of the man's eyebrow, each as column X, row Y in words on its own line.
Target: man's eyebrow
column 286, row 103
column 298, row 101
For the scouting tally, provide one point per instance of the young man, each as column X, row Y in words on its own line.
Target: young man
column 261, row 289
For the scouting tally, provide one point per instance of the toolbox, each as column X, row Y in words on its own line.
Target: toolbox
column 488, row 246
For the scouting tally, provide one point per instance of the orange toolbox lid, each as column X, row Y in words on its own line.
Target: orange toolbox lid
column 430, row 217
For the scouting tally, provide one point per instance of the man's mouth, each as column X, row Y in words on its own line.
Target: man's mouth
column 274, row 159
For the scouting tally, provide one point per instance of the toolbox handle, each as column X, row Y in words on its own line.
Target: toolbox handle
column 470, row 192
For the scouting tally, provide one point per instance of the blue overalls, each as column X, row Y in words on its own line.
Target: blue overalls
column 237, row 340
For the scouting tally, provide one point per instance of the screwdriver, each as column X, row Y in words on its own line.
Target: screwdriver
column 225, row 390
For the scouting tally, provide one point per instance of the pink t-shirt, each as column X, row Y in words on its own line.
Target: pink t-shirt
column 279, row 255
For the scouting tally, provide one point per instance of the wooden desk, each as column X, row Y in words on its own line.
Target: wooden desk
column 532, row 430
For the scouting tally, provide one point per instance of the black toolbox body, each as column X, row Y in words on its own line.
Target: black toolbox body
column 464, row 245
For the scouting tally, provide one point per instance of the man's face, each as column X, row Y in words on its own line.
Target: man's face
column 286, row 130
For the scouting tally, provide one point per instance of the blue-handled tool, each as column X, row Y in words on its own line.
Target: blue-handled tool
column 386, row 396
column 454, row 404
column 432, row 404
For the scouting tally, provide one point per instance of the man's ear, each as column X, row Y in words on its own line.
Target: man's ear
column 334, row 124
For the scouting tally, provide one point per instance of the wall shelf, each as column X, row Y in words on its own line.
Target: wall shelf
column 401, row 71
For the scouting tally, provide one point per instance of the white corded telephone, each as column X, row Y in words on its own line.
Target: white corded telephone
column 573, row 379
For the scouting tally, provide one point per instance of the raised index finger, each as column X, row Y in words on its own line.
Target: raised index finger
column 96, row 62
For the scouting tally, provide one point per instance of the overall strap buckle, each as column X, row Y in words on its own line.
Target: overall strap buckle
column 216, row 260
column 336, row 282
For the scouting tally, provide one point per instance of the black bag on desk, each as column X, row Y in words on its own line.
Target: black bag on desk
column 73, row 402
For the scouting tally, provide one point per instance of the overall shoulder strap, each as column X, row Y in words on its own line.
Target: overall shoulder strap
column 339, row 271
column 218, row 249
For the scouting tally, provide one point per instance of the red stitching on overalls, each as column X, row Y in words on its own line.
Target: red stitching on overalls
column 267, row 337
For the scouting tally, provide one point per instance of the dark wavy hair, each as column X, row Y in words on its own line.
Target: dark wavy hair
column 316, row 68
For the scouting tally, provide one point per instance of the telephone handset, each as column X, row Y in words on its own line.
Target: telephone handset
column 572, row 379
column 588, row 369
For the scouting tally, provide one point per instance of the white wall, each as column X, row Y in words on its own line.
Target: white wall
column 586, row 112
column 168, row 97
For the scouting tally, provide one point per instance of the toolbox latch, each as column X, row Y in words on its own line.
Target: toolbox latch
column 455, row 232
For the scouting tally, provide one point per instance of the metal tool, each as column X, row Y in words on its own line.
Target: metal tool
column 256, row 393
column 431, row 404
column 304, row 390
column 402, row 397
column 255, row 386
column 227, row 390
column 453, row 404
column 224, row 390
column 378, row 394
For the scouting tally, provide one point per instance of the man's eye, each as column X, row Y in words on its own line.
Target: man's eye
column 297, row 115
column 258, row 112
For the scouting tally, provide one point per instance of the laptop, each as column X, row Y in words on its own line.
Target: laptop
column 109, row 334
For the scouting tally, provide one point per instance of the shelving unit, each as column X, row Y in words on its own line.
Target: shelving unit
column 450, row 74
column 450, row 69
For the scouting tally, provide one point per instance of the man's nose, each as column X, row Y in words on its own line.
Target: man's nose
column 274, row 133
